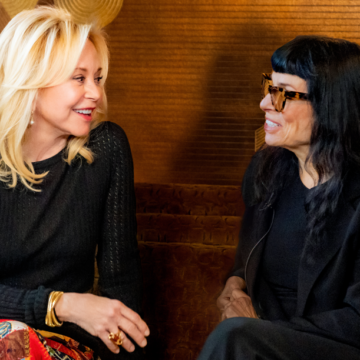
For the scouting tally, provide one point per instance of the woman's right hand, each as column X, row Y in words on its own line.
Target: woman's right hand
column 100, row 316
column 233, row 301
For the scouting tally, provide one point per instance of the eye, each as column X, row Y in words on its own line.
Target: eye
column 98, row 79
column 80, row 79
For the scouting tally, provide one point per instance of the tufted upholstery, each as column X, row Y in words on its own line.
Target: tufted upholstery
column 187, row 238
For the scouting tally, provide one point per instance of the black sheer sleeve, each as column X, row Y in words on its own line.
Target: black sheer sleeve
column 118, row 256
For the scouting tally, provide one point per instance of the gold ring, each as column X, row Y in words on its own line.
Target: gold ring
column 116, row 338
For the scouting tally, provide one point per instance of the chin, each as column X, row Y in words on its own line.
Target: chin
column 272, row 140
column 80, row 131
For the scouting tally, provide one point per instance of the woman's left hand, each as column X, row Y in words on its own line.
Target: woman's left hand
column 240, row 305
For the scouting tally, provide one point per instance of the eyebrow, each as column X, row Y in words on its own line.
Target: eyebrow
column 85, row 70
column 285, row 84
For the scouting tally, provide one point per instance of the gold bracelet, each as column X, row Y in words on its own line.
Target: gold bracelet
column 51, row 319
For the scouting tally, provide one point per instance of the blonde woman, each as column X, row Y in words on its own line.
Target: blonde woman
column 66, row 188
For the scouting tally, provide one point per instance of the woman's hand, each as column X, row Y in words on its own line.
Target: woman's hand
column 100, row 316
column 240, row 305
column 233, row 301
column 233, row 282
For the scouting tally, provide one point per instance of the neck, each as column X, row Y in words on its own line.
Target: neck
column 308, row 174
column 41, row 145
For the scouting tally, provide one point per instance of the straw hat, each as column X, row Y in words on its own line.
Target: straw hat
column 13, row 7
column 83, row 11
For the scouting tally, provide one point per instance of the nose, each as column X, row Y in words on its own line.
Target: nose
column 266, row 103
column 93, row 91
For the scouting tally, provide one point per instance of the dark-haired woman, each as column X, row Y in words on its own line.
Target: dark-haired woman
column 294, row 292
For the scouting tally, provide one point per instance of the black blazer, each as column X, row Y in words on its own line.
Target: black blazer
column 329, row 274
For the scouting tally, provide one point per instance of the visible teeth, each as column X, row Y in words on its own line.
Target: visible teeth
column 271, row 124
column 86, row 112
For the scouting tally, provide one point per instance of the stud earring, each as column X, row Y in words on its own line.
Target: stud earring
column 32, row 119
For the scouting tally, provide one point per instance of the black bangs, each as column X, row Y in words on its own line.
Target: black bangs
column 295, row 57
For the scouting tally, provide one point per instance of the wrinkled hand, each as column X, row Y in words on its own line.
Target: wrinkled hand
column 99, row 316
column 233, row 282
column 233, row 301
column 240, row 305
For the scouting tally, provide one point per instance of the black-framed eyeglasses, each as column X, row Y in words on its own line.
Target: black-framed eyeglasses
column 278, row 94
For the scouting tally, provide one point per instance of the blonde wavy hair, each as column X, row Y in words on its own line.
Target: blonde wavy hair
column 40, row 48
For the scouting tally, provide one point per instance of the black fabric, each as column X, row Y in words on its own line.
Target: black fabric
column 49, row 238
column 253, row 339
column 328, row 289
column 284, row 244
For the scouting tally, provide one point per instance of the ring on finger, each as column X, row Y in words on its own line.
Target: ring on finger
column 116, row 338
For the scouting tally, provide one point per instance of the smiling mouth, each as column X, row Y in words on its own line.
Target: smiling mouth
column 271, row 124
column 84, row 111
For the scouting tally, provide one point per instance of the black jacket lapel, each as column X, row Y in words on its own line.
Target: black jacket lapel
column 316, row 256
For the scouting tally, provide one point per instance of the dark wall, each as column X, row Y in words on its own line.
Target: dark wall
column 185, row 78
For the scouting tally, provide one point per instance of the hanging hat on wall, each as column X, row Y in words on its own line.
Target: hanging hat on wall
column 83, row 11
column 13, row 7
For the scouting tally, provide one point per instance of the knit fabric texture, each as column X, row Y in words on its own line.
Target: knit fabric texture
column 49, row 238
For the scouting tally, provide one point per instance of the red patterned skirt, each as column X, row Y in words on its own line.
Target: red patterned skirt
column 20, row 342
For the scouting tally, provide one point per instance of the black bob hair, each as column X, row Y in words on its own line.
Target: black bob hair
column 331, row 68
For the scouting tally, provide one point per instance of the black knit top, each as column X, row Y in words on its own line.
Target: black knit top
column 48, row 239
column 285, row 243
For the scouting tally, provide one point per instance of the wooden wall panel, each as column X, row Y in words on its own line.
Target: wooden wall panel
column 184, row 78
column 4, row 17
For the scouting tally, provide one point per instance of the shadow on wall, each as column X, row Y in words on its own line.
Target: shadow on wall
column 188, row 233
column 220, row 145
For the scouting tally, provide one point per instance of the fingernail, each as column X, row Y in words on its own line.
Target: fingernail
column 132, row 348
column 144, row 343
column 118, row 350
column 147, row 332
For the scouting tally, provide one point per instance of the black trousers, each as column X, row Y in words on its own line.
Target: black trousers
column 253, row 339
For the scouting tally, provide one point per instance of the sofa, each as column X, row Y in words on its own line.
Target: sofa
column 187, row 237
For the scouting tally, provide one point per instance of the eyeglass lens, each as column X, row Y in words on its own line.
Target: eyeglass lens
column 277, row 97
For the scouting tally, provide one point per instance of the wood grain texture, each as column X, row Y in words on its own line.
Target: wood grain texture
column 185, row 74
column 4, row 17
